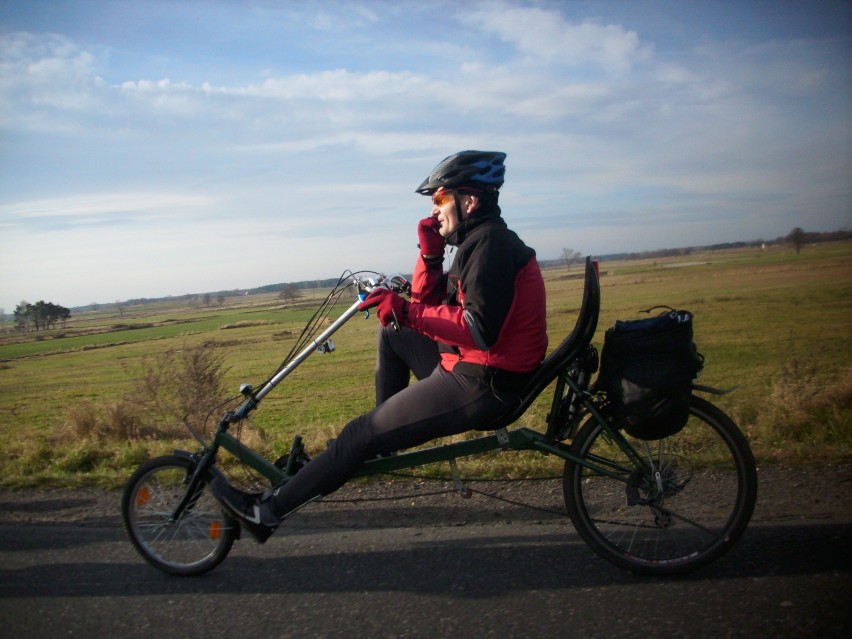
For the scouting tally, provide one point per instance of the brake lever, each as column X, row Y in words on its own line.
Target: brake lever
column 398, row 284
column 394, row 323
column 395, row 283
column 401, row 286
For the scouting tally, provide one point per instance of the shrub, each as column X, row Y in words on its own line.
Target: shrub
column 81, row 421
column 176, row 385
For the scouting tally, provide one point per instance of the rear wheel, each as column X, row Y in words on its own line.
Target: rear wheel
column 687, row 504
column 194, row 543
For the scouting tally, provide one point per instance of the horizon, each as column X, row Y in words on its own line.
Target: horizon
column 546, row 263
column 154, row 148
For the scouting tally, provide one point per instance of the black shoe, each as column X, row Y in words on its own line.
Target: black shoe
column 245, row 508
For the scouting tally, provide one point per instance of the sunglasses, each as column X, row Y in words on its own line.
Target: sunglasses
column 440, row 198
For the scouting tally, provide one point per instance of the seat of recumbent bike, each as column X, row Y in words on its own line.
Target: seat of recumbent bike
column 570, row 349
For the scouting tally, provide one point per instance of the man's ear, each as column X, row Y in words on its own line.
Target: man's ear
column 472, row 204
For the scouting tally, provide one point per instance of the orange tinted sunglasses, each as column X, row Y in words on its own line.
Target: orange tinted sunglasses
column 439, row 198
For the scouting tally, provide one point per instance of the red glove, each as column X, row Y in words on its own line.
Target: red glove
column 391, row 308
column 431, row 242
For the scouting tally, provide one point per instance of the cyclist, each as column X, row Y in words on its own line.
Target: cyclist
column 472, row 337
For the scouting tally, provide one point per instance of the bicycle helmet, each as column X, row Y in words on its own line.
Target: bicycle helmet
column 476, row 169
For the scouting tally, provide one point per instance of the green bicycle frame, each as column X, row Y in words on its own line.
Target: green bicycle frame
column 503, row 439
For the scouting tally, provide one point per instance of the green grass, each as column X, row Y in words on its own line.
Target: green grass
column 775, row 324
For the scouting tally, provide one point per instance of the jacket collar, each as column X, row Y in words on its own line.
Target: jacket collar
column 480, row 218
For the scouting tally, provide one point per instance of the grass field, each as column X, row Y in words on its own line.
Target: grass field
column 773, row 323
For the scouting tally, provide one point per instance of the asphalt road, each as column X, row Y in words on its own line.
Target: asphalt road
column 459, row 577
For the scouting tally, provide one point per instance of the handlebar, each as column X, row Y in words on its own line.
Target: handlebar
column 365, row 284
column 396, row 283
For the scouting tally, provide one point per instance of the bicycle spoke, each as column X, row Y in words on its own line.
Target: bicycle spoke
column 686, row 505
column 186, row 545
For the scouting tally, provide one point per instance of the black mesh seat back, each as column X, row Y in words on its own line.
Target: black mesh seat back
column 572, row 347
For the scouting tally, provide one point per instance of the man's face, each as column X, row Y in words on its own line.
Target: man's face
column 444, row 209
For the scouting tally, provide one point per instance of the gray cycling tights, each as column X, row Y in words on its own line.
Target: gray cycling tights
column 438, row 405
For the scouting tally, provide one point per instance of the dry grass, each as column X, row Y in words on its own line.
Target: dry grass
column 177, row 385
column 172, row 387
column 803, row 416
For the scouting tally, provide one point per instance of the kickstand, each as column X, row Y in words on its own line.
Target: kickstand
column 464, row 491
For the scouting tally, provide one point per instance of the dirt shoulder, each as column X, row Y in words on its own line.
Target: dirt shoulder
column 787, row 493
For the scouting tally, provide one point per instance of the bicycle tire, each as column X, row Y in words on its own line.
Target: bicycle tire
column 195, row 543
column 675, row 522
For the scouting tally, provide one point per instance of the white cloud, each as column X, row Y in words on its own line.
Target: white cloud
column 546, row 36
column 82, row 207
column 45, row 82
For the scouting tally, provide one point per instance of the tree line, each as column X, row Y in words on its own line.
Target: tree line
column 39, row 316
column 44, row 315
column 797, row 238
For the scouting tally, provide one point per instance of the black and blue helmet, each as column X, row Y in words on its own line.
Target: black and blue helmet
column 475, row 169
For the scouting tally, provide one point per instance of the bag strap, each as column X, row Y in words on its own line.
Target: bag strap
column 653, row 308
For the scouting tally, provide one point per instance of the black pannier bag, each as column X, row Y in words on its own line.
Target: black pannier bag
column 647, row 368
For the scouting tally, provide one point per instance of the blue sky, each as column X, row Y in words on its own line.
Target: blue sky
column 160, row 148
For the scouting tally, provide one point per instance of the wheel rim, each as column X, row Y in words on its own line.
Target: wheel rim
column 193, row 540
column 685, row 508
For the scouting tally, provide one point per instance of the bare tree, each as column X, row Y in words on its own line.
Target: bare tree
column 290, row 293
column 570, row 256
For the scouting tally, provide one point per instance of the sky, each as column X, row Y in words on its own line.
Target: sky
column 164, row 147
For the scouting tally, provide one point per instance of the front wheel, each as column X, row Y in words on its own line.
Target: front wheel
column 192, row 544
column 684, row 506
